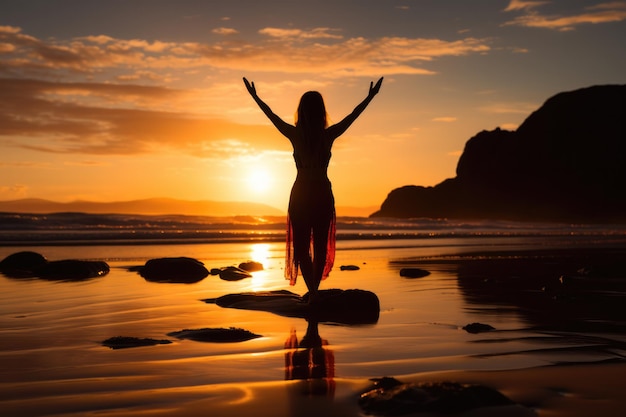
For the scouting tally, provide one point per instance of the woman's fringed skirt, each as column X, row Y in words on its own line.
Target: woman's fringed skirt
column 311, row 216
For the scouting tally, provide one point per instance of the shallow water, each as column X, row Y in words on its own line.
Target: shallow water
column 52, row 361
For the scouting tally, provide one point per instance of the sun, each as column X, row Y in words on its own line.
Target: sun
column 259, row 181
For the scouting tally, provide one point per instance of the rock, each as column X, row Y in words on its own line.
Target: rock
column 22, row 264
column 413, row 273
column 174, row 270
column 478, row 328
column 232, row 273
column 33, row 265
column 565, row 162
column 215, row 271
column 333, row 305
column 72, row 270
column 251, row 266
column 217, row 335
column 124, row 342
column 390, row 397
column 349, row 268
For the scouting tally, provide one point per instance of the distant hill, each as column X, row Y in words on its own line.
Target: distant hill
column 153, row 206
column 566, row 162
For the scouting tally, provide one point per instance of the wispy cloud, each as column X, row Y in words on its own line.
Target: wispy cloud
column 225, row 31
column 129, row 96
column 601, row 13
column 291, row 50
column 13, row 191
column 521, row 108
column 317, row 33
column 34, row 116
column 445, row 119
column 524, row 5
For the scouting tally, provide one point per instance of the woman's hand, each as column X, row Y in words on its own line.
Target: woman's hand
column 373, row 88
column 250, row 87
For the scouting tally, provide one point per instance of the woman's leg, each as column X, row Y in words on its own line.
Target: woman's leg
column 320, row 249
column 301, row 252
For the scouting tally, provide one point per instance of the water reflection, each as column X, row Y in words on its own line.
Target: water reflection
column 310, row 361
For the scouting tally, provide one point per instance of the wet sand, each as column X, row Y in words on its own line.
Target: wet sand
column 557, row 349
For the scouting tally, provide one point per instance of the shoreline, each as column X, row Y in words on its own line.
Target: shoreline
column 556, row 353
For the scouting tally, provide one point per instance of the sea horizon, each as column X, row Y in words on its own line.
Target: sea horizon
column 68, row 228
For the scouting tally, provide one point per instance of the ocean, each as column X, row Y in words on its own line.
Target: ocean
column 53, row 362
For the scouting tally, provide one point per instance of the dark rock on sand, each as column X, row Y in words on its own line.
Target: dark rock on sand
column 349, row 268
column 175, row 270
column 413, row 273
column 217, row 335
column 251, row 266
column 72, row 270
column 232, row 273
column 478, row 328
column 390, row 397
column 334, row 305
column 22, row 264
column 124, row 342
column 34, row 265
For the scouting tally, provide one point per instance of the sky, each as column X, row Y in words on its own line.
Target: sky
column 122, row 100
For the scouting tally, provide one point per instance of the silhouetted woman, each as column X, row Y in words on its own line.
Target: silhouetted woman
column 311, row 213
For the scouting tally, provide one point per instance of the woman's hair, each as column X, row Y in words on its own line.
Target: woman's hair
column 311, row 114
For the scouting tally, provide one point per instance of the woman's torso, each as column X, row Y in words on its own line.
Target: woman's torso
column 311, row 153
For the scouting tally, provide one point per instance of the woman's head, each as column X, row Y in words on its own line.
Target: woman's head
column 312, row 111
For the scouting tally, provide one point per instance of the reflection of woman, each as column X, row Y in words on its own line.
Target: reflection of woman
column 311, row 220
column 310, row 361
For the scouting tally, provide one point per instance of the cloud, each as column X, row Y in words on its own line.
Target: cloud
column 291, row 50
column 35, row 115
column 117, row 102
column 225, row 31
column 316, row 33
column 601, row 13
column 524, row 5
column 510, row 108
column 13, row 191
column 445, row 119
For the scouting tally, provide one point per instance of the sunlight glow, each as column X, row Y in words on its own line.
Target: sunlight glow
column 260, row 252
column 259, row 181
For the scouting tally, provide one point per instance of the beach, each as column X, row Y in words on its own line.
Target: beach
column 557, row 346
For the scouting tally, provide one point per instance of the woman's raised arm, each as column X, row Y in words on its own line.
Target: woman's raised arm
column 337, row 130
column 283, row 127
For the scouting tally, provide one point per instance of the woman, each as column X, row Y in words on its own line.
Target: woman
column 311, row 213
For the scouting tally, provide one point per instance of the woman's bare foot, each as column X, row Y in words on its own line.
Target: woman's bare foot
column 312, row 297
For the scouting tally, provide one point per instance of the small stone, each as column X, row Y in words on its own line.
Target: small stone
column 478, row 328
column 174, row 270
column 349, row 268
column 251, row 266
column 413, row 273
column 217, row 335
column 232, row 273
column 124, row 342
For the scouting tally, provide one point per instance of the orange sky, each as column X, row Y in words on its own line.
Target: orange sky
column 127, row 100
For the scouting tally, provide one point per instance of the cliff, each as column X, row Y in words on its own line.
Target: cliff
column 566, row 162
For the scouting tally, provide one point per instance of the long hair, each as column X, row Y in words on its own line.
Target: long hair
column 312, row 119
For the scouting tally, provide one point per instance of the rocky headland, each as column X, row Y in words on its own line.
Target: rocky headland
column 565, row 162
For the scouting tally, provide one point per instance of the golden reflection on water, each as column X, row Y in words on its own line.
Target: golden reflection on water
column 260, row 252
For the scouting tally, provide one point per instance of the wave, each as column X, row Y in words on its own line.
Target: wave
column 85, row 228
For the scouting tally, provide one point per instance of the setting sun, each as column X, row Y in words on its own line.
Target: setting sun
column 259, row 181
